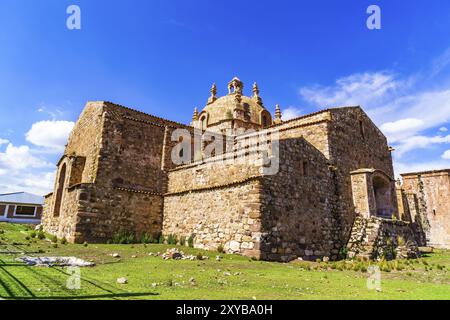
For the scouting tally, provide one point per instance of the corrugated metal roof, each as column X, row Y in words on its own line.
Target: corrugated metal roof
column 21, row 197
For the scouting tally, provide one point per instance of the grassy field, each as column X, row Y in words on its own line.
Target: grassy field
column 233, row 277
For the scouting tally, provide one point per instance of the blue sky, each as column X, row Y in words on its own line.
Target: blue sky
column 161, row 57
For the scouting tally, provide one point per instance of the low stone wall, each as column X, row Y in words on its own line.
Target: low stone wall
column 63, row 226
column 103, row 213
column 227, row 216
column 376, row 238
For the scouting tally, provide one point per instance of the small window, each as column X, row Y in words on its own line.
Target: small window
column 304, row 168
column 361, row 129
column 25, row 211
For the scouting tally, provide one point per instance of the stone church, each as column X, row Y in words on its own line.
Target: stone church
column 320, row 185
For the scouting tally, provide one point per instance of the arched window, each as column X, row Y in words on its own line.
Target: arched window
column 361, row 130
column 203, row 121
column 265, row 122
column 59, row 191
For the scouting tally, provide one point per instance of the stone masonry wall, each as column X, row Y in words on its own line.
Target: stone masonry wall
column 431, row 191
column 355, row 143
column 131, row 212
column 227, row 216
column 314, row 128
column 298, row 218
column 82, row 150
column 120, row 177
column 376, row 238
column 125, row 154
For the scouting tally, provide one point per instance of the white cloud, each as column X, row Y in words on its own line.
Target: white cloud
column 419, row 142
column 396, row 105
column 446, row 155
column 39, row 183
column 291, row 113
column 52, row 135
column 20, row 170
column 443, row 129
column 16, row 158
column 3, row 141
column 401, row 125
column 24, row 168
column 361, row 89
column 431, row 107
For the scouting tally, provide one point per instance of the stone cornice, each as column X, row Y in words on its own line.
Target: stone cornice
column 215, row 187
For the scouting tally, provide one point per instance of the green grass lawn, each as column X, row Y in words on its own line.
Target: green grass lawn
column 234, row 277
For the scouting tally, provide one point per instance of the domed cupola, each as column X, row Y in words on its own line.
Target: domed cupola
column 233, row 111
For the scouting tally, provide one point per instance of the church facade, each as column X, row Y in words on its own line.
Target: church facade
column 320, row 185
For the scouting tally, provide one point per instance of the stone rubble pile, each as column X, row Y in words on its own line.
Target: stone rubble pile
column 175, row 254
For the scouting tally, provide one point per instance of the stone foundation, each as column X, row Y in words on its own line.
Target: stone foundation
column 377, row 238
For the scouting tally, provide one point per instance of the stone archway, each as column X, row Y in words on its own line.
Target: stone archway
column 382, row 197
column 373, row 193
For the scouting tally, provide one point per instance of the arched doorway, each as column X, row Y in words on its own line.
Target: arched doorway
column 382, row 193
column 59, row 191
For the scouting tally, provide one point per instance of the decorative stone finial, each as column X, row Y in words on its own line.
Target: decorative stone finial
column 195, row 116
column 235, row 86
column 213, row 90
column 277, row 114
column 213, row 96
column 255, row 90
column 256, row 96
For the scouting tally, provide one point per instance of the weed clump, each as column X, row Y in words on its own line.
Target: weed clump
column 123, row 237
column 191, row 241
column 41, row 235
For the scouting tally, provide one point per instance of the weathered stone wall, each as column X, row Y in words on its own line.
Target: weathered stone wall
column 80, row 161
column 314, row 128
column 298, row 217
column 376, row 238
column 86, row 138
column 355, row 143
column 431, row 193
column 293, row 210
column 103, row 212
column 135, row 150
column 64, row 225
column 124, row 153
column 227, row 216
column 215, row 171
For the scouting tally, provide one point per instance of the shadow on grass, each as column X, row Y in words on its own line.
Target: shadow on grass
column 15, row 289
column 87, row 297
